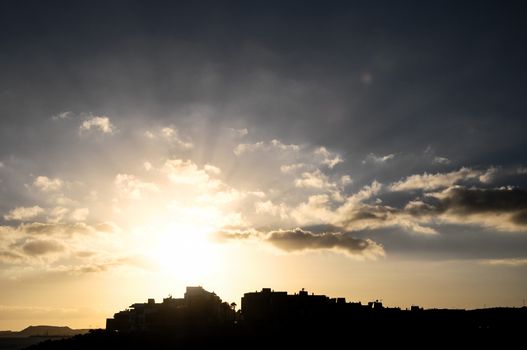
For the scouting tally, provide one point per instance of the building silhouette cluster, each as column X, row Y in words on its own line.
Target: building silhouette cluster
column 299, row 318
column 198, row 308
column 269, row 305
column 270, row 319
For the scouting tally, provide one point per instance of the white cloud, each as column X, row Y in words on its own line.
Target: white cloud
column 346, row 180
column 211, row 169
column 98, row 122
column 489, row 175
column 258, row 194
column 131, row 187
column 441, row 160
column 329, row 159
column 264, row 146
column 187, row 172
column 80, row 214
column 62, row 116
column 365, row 193
column 172, row 135
column 289, row 168
column 239, row 132
column 315, row 211
column 268, row 207
column 373, row 158
column 57, row 214
column 315, row 179
column 168, row 132
column 47, row 184
column 505, row 262
column 147, row 166
column 24, row 213
column 434, row 181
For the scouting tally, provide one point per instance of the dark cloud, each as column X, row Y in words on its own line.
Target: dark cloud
column 97, row 267
column 520, row 218
column 65, row 229
column 300, row 240
column 7, row 256
column 451, row 72
column 477, row 200
column 41, row 247
column 222, row 236
column 497, row 207
column 503, row 209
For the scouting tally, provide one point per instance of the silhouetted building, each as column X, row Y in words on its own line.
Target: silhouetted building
column 282, row 307
column 292, row 316
column 198, row 308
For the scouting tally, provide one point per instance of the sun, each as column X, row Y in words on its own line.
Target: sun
column 184, row 251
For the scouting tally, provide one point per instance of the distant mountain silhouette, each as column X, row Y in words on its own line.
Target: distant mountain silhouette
column 32, row 331
column 44, row 331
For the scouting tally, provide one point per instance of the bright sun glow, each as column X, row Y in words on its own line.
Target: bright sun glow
column 183, row 250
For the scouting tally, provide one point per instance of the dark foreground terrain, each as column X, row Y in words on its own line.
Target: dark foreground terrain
column 501, row 327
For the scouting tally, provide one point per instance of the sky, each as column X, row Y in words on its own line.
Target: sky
column 368, row 150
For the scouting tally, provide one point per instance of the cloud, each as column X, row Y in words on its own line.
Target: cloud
column 98, row 122
column 505, row 262
column 212, row 169
column 65, row 229
column 10, row 257
column 264, row 147
column 372, row 158
column 315, row 179
column 329, row 159
column 268, row 207
column 172, row 134
column 289, row 168
column 41, row 247
column 186, row 172
column 489, row 175
column 23, row 213
column 62, row 116
column 503, row 209
column 429, row 182
column 366, row 192
column 372, row 217
column 148, row 166
column 80, row 214
column 130, row 186
column 468, row 201
column 239, row 132
column 346, row 180
column 299, row 240
column 57, row 214
column 315, row 210
column 441, row 160
column 47, row 184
